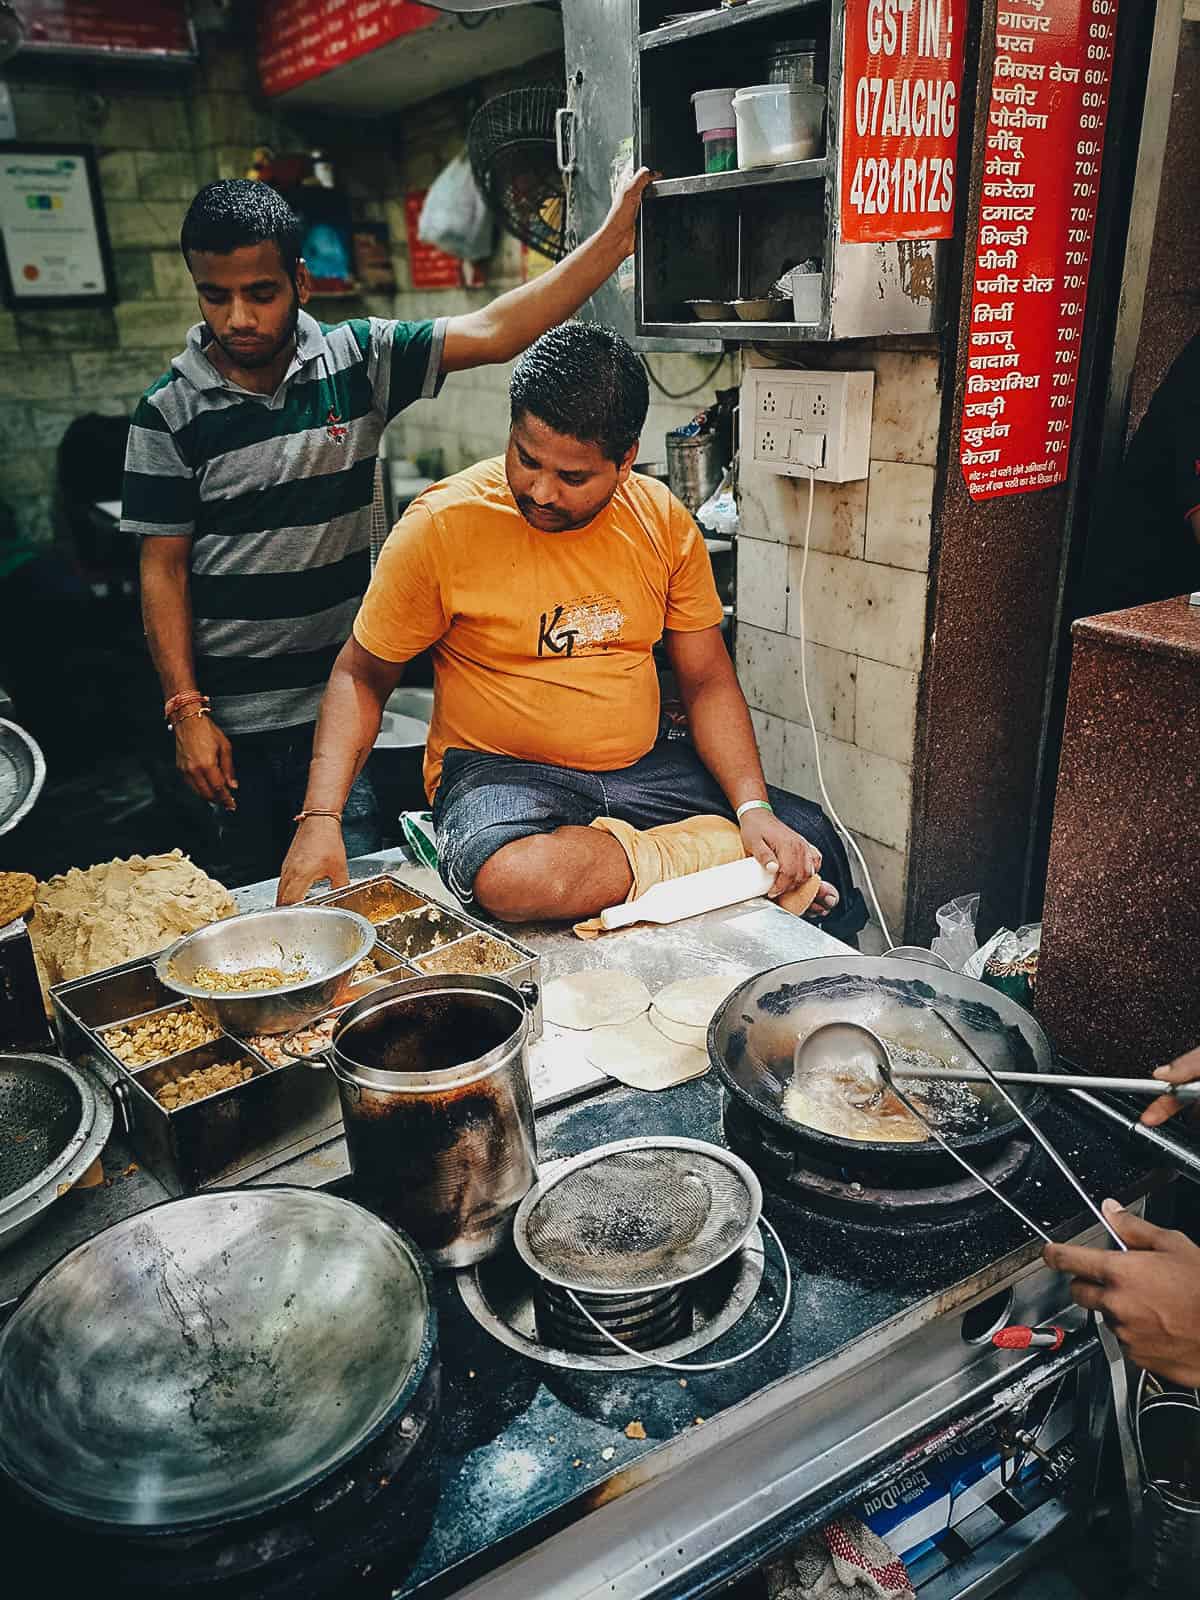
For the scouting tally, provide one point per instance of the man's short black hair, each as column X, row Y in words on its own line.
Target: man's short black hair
column 234, row 212
column 584, row 381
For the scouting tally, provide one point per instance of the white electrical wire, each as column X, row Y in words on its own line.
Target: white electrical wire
column 704, row 1366
column 812, row 723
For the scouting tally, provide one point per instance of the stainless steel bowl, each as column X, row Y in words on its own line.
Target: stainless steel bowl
column 326, row 941
column 210, row 1359
column 22, row 774
column 54, row 1121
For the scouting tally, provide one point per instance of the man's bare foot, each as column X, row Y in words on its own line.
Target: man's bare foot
column 827, row 900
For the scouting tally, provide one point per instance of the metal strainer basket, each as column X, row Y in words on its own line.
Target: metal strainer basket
column 53, row 1124
column 640, row 1214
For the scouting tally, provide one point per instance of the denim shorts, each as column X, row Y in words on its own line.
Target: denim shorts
column 485, row 802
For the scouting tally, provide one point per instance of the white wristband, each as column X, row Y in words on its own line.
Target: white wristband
column 754, row 805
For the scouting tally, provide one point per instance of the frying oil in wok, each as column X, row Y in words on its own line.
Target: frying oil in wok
column 852, row 1105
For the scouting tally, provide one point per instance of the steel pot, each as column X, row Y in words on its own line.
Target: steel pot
column 752, row 1037
column 433, row 1075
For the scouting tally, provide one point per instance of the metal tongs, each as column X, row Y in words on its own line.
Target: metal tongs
column 875, row 1048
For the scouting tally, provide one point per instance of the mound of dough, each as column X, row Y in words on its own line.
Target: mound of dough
column 594, row 998
column 693, row 1001
column 638, row 1055
column 84, row 921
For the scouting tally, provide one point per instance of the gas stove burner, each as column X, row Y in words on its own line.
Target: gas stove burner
column 792, row 1172
column 506, row 1299
column 882, row 1233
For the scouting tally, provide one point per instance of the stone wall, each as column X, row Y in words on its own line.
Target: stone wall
column 864, row 614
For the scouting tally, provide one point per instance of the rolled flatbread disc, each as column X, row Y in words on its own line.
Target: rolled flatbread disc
column 693, row 1001
column 679, row 1031
column 594, row 998
column 637, row 1055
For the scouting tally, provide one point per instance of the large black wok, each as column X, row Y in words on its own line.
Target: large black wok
column 752, row 1038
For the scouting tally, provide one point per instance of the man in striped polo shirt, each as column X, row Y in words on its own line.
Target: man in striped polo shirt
column 249, row 478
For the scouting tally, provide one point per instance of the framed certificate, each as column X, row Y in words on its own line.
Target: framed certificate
column 55, row 244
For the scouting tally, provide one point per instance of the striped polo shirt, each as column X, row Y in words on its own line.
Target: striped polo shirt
column 275, row 493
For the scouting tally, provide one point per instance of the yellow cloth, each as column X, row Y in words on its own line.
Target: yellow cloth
column 676, row 849
column 541, row 641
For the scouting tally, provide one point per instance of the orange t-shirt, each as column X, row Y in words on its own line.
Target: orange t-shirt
column 541, row 641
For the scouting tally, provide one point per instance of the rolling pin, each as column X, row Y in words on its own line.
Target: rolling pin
column 709, row 890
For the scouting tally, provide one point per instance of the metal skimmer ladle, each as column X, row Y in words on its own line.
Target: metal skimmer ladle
column 869, row 1047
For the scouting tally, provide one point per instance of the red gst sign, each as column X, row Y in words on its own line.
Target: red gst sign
column 1037, row 216
column 901, row 89
column 299, row 40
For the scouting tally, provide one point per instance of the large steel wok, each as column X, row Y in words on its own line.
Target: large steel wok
column 215, row 1359
column 752, row 1039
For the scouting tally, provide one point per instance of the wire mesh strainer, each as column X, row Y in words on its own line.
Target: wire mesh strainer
column 639, row 1214
column 53, row 1123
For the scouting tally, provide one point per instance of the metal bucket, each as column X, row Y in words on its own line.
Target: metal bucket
column 1167, row 1434
column 433, row 1075
column 693, row 467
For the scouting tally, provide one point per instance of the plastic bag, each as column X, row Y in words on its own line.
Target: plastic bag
column 455, row 216
column 956, row 941
column 719, row 513
column 1010, row 964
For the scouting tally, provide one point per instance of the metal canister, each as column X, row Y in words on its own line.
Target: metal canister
column 792, row 61
column 433, row 1076
column 693, row 467
column 1167, row 1432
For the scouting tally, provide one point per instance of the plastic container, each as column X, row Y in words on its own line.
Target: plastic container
column 792, row 62
column 779, row 122
column 806, row 296
column 720, row 150
column 713, row 108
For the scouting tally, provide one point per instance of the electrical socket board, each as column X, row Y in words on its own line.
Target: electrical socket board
column 795, row 420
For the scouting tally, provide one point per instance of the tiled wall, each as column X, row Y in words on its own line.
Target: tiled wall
column 155, row 146
column 864, row 615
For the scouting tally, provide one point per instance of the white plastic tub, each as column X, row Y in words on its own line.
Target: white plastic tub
column 806, row 296
column 779, row 122
column 713, row 109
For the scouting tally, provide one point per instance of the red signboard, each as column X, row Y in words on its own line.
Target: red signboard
column 429, row 267
column 300, row 39
column 1041, row 183
column 156, row 27
column 901, row 89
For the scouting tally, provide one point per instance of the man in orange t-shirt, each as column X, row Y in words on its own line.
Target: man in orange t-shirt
column 542, row 582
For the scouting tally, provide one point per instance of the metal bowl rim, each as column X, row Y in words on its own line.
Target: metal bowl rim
column 587, row 1158
column 927, row 1149
column 87, row 1141
column 425, row 1355
column 162, row 962
column 351, row 1071
column 29, row 800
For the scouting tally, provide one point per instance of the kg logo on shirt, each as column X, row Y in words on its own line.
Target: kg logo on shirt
column 592, row 622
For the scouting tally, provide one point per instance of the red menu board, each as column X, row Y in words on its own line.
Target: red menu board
column 155, row 27
column 429, row 267
column 1041, row 183
column 301, row 39
column 901, row 88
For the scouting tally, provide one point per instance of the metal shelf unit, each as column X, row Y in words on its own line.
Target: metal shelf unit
column 730, row 235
